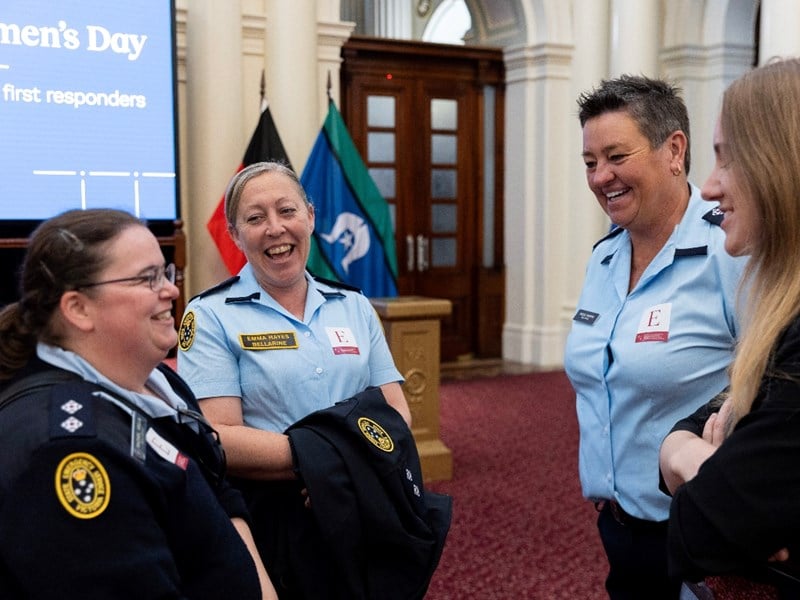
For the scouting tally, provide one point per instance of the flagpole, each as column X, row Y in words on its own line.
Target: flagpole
column 263, row 89
column 330, row 99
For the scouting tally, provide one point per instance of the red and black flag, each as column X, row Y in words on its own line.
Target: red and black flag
column 264, row 145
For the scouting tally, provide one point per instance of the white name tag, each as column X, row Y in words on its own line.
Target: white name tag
column 165, row 450
column 342, row 340
column 654, row 325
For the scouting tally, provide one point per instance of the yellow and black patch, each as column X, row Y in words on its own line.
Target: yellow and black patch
column 273, row 340
column 186, row 331
column 376, row 434
column 82, row 485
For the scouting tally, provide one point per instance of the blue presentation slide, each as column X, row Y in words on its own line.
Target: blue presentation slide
column 87, row 110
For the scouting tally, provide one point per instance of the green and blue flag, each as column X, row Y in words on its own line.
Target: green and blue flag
column 353, row 239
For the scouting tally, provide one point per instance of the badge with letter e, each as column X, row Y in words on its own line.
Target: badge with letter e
column 342, row 340
column 654, row 324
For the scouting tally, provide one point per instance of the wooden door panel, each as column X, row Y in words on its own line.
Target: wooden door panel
column 432, row 177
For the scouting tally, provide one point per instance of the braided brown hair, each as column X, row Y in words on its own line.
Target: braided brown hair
column 64, row 253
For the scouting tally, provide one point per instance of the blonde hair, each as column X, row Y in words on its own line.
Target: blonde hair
column 760, row 120
column 233, row 194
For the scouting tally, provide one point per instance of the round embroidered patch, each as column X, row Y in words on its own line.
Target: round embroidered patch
column 186, row 331
column 375, row 434
column 82, row 485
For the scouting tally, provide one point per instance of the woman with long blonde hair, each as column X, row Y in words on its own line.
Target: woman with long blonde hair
column 733, row 466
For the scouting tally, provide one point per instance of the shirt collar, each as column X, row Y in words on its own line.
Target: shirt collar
column 166, row 405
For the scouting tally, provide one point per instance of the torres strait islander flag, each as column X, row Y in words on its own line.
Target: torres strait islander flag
column 264, row 145
column 353, row 240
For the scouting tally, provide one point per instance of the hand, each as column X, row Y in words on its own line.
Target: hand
column 714, row 430
column 781, row 555
column 681, row 455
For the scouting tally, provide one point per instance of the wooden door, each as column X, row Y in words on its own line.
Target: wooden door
column 417, row 114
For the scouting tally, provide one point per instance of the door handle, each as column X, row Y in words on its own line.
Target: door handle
column 422, row 253
column 410, row 252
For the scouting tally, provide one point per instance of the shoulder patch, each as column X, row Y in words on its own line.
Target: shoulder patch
column 611, row 234
column 714, row 216
column 375, row 434
column 337, row 284
column 217, row 288
column 186, row 331
column 82, row 485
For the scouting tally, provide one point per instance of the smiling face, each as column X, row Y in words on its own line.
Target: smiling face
column 741, row 223
column 633, row 182
column 131, row 323
column 273, row 229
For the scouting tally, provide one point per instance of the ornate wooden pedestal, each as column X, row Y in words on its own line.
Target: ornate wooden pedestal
column 412, row 330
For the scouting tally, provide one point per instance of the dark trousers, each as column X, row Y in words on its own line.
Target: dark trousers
column 637, row 557
column 287, row 540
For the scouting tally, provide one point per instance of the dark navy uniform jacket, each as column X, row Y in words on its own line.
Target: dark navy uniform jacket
column 372, row 530
column 101, row 502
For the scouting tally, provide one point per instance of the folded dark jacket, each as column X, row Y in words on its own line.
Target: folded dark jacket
column 383, row 530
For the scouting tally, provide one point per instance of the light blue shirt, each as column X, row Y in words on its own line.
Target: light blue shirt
column 245, row 344
column 640, row 361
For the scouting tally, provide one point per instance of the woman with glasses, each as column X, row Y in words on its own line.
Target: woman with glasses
column 112, row 484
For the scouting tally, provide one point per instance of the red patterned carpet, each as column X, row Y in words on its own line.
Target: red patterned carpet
column 521, row 529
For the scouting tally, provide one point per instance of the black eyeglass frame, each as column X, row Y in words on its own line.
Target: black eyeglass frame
column 155, row 279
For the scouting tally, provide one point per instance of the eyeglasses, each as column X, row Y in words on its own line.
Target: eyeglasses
column 155, row 279
column 209, row 453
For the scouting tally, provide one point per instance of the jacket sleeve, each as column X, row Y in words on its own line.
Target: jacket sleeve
column 742, row 506
column 695, row 422
column 98, row 526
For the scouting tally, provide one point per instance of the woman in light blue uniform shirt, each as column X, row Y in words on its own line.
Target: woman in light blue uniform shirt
column 271, row 345
column 655, row 326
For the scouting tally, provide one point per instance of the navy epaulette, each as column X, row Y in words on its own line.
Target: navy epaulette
column 714, row 216
column 613, row 233
column 72, row 410
column 220, row 286
column 695, row 251
column 239, row 299
column 337, row 284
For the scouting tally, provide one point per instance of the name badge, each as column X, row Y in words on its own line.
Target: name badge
column 654, row 325
column 138, row 436
column 585, row 316
column 273, row 340
column 166, row 450
column 342, row 340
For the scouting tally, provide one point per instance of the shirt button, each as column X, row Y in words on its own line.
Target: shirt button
column 608, row 477
column 307, row 334
column 318, row 370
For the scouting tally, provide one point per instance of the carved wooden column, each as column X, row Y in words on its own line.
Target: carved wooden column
column 412, row 330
